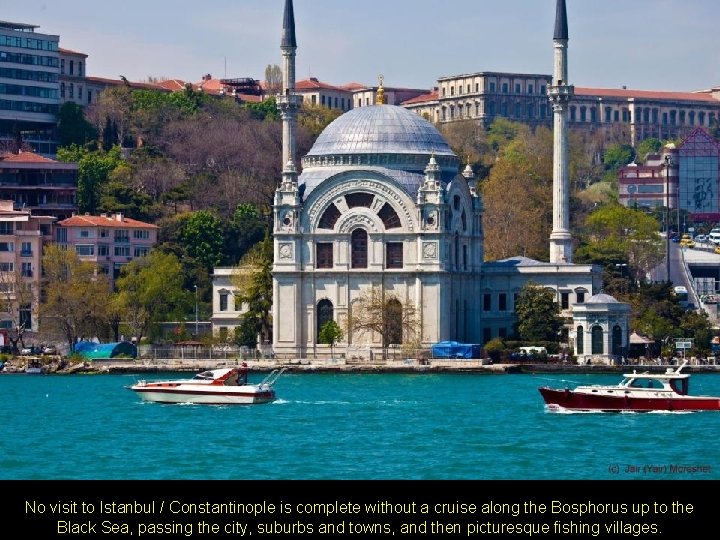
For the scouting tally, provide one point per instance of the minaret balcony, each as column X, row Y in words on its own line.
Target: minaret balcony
column 562, row 90
column 289, row 101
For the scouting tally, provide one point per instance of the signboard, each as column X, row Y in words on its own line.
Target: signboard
column 683, row 343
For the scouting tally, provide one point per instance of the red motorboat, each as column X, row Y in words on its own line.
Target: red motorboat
column 640, row 392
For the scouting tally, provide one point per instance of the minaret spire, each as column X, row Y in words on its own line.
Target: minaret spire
column 560, row 94
column 288, row 101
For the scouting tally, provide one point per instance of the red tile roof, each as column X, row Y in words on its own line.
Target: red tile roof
column 107, row 221
column 25, row 157
column 68, row 51
column 643, row 94
column 432, row 96
column 172, row 84
column 314, row 84
column 118, row 82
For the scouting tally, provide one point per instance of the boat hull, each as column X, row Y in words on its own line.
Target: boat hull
column 242, row 395
column 578, row 401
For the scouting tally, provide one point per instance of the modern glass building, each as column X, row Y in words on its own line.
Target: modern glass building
column 29, row 87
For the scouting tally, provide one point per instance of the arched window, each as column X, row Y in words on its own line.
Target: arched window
column 393, row 322
column 580, row 340
column 359, row 248
column 329, row 217
column 389, row 217
column 325, row 313
column 597, row 340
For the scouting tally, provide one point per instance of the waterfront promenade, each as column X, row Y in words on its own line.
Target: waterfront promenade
column 436, row 365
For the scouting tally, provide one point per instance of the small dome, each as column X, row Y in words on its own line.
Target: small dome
column 601, row 298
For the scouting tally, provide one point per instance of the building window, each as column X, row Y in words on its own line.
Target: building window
column 580, row 297
column 7, row 227
column 389, row 217
column 223, row 301
column 7, row 267
column 505, row 88
column 27, row 270
column 325, row 314
column 122, row 251
column 502, row 302
column 85, row 250
column 564, row 300
column 492, row 86
column 324, row 254
column 359, row 249
column 487, row 302
column 122, row 236
column 530, row 88
column 617, row 341
column 364, row 200
column 7, row 246
column 141, row 251
column 517, row 88
column 394, row 255
column 141, row 235
column 393, row 322
column 103, row 250
column 487, row 334
column 597, row 340
column 580, row 340
column 329, row 217
column 25, row 316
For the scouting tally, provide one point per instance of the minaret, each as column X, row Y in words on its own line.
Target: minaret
column 289, row 102
column 560, row 94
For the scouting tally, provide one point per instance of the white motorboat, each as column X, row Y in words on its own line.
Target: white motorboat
column 223, row 386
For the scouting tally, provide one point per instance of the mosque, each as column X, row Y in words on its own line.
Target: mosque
column 382, row 209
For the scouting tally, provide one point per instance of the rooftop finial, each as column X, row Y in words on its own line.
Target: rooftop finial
column 288, row 37
column 561, row 25
column 380, row 98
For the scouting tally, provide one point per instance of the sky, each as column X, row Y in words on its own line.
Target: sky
column 641, row 44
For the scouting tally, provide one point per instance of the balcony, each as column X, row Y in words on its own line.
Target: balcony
column 26, row 253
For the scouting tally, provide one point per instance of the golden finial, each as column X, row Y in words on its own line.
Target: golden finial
column 380, row 98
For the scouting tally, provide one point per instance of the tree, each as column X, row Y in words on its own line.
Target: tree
column 203, row 237
column 330, row 334
column 315, row 118
column 150, row 290
column 273, row 79
column 17, row 294
column 538, row 315
column 252, row 280
column 380, row 312
column 94, row 169
column 73, row 127
column 651, row 145
column 76, row 296
column 618, row 155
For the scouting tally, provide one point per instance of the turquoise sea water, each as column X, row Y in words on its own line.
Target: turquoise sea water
column 346, row 426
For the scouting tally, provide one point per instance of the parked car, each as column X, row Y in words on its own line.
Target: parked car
column 49, row 349
column 701, row 238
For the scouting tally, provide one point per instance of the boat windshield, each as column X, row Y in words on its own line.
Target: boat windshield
column 646, row 383
column 205, row 375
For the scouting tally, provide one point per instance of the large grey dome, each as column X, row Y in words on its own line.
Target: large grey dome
column 386, row 139
column 380, row 129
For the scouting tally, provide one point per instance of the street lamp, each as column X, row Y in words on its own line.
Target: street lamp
column 196, row 313
column 667, row 215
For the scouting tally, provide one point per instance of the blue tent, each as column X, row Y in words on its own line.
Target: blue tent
column 105, row 351
column 454, row 349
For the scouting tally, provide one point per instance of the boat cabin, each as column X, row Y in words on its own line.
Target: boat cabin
column 670, row 380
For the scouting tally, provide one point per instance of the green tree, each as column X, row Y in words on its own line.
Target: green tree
column 73, row 127
column 94, row 169
column 150, row 290
column 16, row 292
column 315, row 118
column 330, row 334
column 203, row 235
column 651, row 145
column 538, row 314
column 618, row 155
column 252, row 280
column 76, row 297
column 265, row 110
